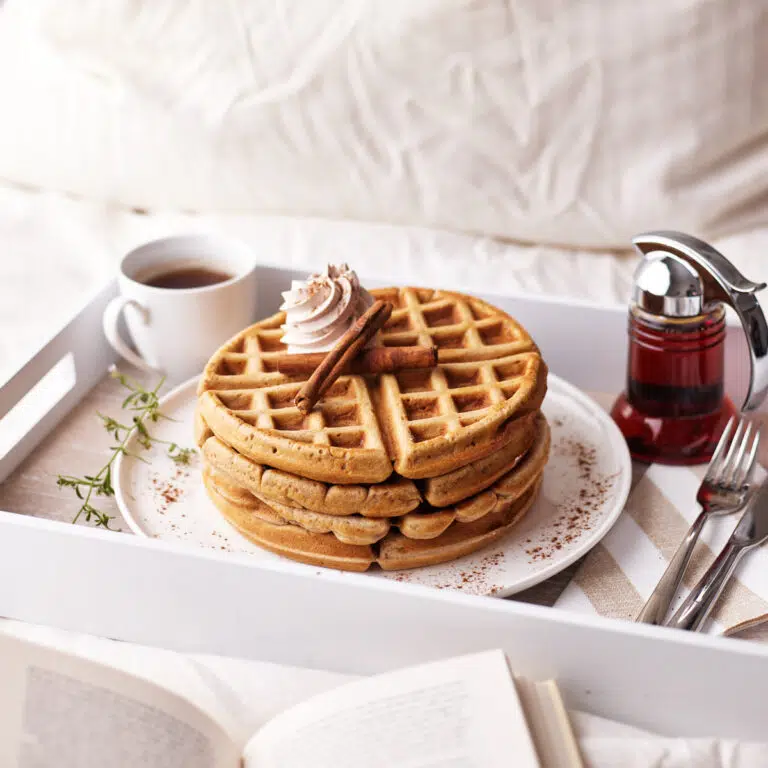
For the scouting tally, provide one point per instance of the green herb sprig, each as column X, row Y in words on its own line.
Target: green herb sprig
column 144, row 407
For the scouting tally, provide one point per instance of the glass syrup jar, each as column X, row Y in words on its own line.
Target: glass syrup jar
column 675, row 408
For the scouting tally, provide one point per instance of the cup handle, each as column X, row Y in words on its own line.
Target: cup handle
column 109, row 323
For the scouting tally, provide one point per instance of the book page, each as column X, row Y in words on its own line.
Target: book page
column 459, row 713
column 62, row 711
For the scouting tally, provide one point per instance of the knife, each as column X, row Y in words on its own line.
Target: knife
column 751, row 531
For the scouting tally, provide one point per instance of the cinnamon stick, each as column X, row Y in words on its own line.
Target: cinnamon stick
column 346, row 349
column 370, row 361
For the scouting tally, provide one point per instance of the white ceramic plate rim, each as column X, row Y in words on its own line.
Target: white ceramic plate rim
column 624, row 483
column 559, row 562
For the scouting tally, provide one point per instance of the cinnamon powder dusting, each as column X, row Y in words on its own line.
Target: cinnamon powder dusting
column 169, row 490
column 478, row 577
column 574, row 514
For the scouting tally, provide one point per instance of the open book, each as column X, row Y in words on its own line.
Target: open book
column 61, row 710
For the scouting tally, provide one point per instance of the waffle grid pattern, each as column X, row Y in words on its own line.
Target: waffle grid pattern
column 339, row 421
column 460, row 328
column 486, row 358
column 248, row 385
column 444, row 400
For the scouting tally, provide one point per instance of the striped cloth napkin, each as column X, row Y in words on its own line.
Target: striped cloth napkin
column 620, row 573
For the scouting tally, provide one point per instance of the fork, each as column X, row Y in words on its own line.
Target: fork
column 723, row 490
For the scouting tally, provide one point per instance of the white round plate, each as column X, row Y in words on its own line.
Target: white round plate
column 586, row 484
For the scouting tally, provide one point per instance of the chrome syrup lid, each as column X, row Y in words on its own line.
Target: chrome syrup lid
column 664, row 284
column 682, row 276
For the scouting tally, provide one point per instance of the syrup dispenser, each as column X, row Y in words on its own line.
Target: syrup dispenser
column 675, row 407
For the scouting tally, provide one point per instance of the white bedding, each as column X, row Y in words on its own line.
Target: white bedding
column 577, row 123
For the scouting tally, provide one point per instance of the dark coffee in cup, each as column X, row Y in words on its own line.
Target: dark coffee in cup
column 186, row 277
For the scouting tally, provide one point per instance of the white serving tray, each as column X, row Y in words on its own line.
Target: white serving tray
column 174, row 596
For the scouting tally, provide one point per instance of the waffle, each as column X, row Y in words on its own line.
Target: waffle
column 425, row 423
column 290, row 540
column 394, row 552
column 350, row 530
column 397, row 552
column 396, row 496
column 424, row 523
column 339, row 441
column 393, row 497
column 444, row 490
column 530, row 469
column 490, row 374
column 239, row 497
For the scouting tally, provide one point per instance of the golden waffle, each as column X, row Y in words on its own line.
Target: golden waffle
column 394, row 552
column 444, row 490
column 397, row 552
column 435, row 421
column 339, row 441
column 529, row 469
column 351, row 530
column 428, row 522
column 243, row 499
column 395, row 496
column 424, row 523
column 467, row 407
column 291, row 541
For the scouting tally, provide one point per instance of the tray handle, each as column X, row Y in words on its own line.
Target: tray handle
column 35, row 399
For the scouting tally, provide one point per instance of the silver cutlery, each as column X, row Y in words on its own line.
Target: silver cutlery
column 723, row 490
column 751, row 531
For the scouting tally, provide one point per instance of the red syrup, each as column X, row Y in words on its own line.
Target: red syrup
column 674, row 409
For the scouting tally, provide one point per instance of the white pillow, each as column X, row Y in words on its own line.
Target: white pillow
column 571, row 122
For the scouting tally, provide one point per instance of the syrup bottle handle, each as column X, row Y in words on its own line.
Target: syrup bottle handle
column 708, row 262
column 722, row 283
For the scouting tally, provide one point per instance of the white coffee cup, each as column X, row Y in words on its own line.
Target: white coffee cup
column 176, row 330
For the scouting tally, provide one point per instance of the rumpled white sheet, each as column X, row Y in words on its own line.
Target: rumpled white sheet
column 577, row 123
column 608, row 744
column 243, row 695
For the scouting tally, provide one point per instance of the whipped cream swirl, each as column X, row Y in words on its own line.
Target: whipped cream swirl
column 318, row 311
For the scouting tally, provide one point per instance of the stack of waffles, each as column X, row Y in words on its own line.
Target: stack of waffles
column 402, row 469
